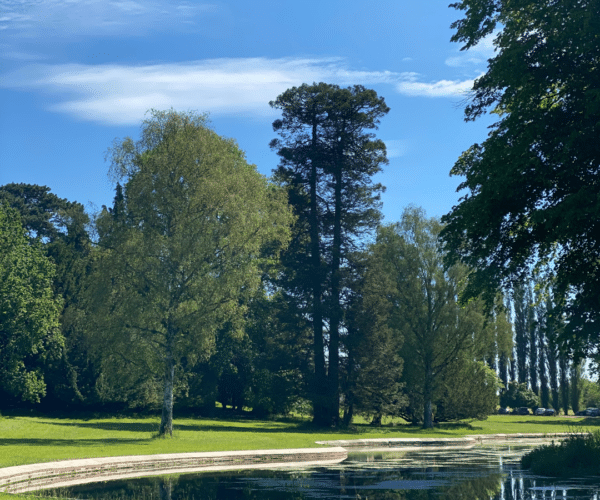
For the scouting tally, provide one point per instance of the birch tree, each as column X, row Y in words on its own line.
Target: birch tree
column 183, row 244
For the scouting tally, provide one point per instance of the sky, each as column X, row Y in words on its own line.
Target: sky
column 76, row 75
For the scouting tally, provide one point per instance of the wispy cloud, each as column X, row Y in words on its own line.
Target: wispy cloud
column 396, row 148
column 37, row 18
column 116, row 94
column 411, row 86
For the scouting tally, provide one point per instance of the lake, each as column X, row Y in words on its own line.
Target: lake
column 479, row 472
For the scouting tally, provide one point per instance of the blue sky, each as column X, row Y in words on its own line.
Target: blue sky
column 76, row 74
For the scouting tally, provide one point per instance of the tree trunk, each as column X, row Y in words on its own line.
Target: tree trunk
column 319, row 386
column 427, row 398
column 166, row 422
column 564, row 382
column 335, row 314
column 575, row 386
column 544, row 389
column 348, row 414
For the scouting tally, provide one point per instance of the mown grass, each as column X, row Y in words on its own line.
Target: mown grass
column 28, row 439
column 574, row 456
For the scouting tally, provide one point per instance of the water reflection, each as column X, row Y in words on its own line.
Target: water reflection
column 483, row 472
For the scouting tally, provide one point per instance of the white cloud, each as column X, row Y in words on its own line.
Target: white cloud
column 411, row 86
column 116, row 94
column 475, row 56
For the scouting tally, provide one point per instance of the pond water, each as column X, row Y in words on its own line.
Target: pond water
column 481, row 472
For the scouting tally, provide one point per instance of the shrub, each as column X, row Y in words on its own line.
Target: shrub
column 578, row 454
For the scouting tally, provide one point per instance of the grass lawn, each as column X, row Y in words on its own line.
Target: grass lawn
column 32, row 439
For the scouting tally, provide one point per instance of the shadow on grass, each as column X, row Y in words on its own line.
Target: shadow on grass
column 113, row 426
column 273, row 427
column 562, row 422
column 70, row 442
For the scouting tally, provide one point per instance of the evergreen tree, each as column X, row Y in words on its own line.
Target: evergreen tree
column 373, row 368
column 327, row 161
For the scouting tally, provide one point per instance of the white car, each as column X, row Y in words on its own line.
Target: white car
column 540, row 411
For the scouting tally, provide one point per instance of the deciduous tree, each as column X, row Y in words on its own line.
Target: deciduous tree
column 438, row 333
column 182, row 244
column 532, row 186
column 29, row 311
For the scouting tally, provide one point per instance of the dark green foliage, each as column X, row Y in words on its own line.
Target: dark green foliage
column 44, row 215
column 371, row 382
column 469, row 390
column 61, row 228
column 518, row 395
column 521, row 306
column 575, row 456
column 327, row 160
column 532, row 185
column 29, row 311
column 575, row 384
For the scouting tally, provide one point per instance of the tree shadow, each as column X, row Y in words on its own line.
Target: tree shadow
column 114, row 426
column 79, row 443
column 567, row 423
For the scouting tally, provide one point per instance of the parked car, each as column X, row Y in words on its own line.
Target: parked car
column 521, row 411
column 540, row 411
column 592, row 412
column 550, row 412
column 503, row 411
column 581, row 413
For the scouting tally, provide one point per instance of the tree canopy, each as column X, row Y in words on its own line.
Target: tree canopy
column 533, row 186
column 29, row 311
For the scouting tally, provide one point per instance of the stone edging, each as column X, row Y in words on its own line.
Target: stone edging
column 23, row 478
column 468, row 440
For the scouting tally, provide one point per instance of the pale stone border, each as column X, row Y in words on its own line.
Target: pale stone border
column 469, row 440
column 24, row 478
